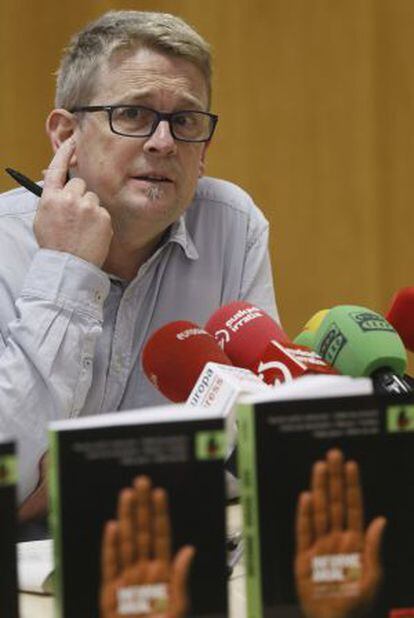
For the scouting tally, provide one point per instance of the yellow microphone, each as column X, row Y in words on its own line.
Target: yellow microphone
column 307, row 335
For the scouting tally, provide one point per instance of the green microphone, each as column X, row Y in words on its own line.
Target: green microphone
column 360, row 342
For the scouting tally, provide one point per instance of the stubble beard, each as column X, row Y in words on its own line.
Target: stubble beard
column 154, row 193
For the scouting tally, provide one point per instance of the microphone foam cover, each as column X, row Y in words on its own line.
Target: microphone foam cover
column 244, row 331
column 401, row 316
column 307, row 336
column 358, row 341
column 175, row 355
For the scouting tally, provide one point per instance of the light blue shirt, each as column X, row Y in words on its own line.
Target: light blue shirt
column 71, row 336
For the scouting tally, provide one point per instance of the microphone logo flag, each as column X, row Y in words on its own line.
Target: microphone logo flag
column 276, row 372
column 220, row 385
column 283, row 363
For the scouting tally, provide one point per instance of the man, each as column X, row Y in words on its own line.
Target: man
column 126, row 237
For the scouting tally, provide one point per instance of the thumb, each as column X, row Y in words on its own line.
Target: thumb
column 178, row 582
column 373, row 540
column 371, row 559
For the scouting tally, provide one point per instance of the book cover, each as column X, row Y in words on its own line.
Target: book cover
column 8, row 529
column 157, row 475
column 328, row 501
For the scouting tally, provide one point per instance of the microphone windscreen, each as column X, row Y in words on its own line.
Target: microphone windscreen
column 175, row 355
column 244, row 331
column 307, row 336
column 401, row 316
column 358, row 341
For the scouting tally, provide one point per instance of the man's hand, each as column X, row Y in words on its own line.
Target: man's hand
column 138, row 571
column 69, row 218
column 337, row 563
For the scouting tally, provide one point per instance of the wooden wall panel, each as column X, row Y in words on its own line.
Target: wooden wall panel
column 316, row 120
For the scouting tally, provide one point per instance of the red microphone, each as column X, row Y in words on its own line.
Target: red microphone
column 243, row 331
column 175, row 355
column 401, row 315
column 252, row 339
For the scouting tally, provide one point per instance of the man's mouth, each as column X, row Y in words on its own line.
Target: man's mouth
column 153, row 178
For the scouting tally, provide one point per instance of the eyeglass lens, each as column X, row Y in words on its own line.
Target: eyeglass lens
column 139, row 121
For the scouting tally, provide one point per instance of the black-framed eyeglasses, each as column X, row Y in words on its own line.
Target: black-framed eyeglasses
column 138, row 121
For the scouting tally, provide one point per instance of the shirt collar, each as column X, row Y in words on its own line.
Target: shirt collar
column 179, row 234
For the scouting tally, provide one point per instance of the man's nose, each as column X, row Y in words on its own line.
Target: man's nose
column 162, row 140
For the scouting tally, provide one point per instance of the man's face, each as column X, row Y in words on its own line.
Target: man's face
column 124, row 171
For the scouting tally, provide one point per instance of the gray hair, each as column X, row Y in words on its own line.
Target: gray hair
column 124, row 30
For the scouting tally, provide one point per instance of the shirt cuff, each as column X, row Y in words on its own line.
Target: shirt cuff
column 67, row 281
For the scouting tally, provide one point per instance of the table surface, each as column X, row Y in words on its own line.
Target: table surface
column 42, row 606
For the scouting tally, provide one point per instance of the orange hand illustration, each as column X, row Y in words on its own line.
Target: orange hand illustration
column 337, row 563
column 138, row 574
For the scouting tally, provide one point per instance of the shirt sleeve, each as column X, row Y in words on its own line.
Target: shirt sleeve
column 47, row 351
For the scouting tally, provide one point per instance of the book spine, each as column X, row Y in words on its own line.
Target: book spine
column 8, row 469
column 54, row 522
column 8, row 532
column 247, row 467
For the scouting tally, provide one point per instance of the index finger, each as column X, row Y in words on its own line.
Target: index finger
column 110, row 551
column 56, row 173
column 319, row 492
column 304, row 527
column 126, row 514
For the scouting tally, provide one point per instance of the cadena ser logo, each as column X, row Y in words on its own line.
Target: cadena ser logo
column 368, row 321
column 332, row 343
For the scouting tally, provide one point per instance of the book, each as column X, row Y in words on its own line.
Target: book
column 8, row 529
column 327, row 490
column 93, row 460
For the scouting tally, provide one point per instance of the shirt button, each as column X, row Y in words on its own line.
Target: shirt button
column 98, row 296
column 87, row 362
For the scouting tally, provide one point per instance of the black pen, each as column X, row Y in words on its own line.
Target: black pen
column 25, row 181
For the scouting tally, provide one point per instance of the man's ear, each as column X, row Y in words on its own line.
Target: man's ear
column 201, row 167
column 202, row 164
column 60, row 125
